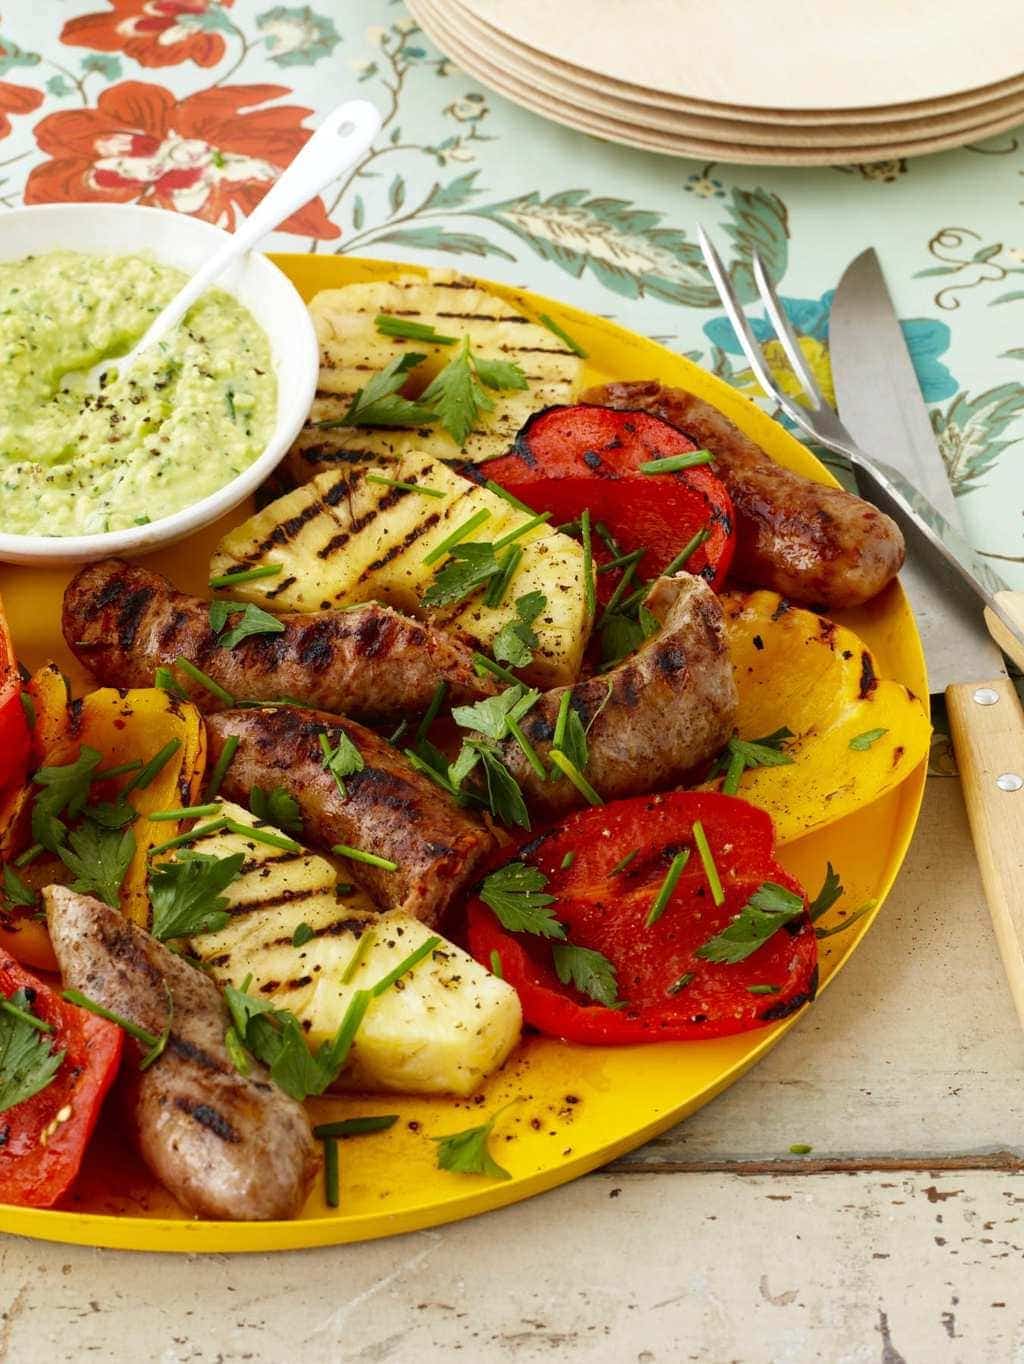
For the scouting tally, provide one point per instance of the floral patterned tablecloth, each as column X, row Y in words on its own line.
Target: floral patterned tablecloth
column 195, row 105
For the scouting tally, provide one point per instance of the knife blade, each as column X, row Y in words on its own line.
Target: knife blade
column 881, row 405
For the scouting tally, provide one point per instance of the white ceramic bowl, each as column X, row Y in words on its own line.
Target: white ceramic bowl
column 174, row 239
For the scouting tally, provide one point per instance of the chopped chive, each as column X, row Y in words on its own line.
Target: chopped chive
column 166, row 681
column 588, row 563
column 484, row 664
column 737, row 766
column 529, row 752
column 341, row 1044
column 622, row 561
column 235, row 1049
column 358, row 855
column 610, row 543
column 708, row 863
column 431, row 773
column 621, row 866
column 457, row 536
column 691, row 547
column 146, row 774
column 268, row 836
column 562, row 718
column 504, row 493
column 538, row 520
column 568, row 860
column 405, row 487
column 570, row 770
column 389, row 325
column 191, row 837
column 29, row 855
column 366, row 941
column 207, row 683
column 621, row 587
column 184, row 812
column 147, row 1039
column 246, row 575
column 118, row 771
column 223, row 763
column 332, row 1181
column 562, row 335
column 406, row 964
column 432, row 711
column 496, row 966
column 763, row 989
column 33, row 1021
column 397, row 732
column 498, row 585
column 355, row 1127
column 568, row 527
column 631, row 601
column 667, row 887
column 671, row 463
column 681, row 983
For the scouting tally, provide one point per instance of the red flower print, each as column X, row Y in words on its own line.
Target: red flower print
column 16, row 99
column 154, row 32
column 201, row 155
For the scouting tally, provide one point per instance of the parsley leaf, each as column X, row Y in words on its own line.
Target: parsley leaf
column 303, row 933
column 343, row 760
column 186, row 894
column 114, row 814
column 468, row 567
column 99, row 858
column 503, row 793
column 499, row 373
column 253, row 621
column 491, row 715
column 456, row 396
column 276, row 1038
column 466, row 1153
column 589, row 971
column 768, row 909
column 861, row 742
column 515, row 642
column 518, row 897
column 278, row 807
column 65, row 788
column 831, row 890
column 16, row 892
column 621, row 635
column 380, row 404
column 28, row 1062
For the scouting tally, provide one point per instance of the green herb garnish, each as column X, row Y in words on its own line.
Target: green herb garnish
column 246, row 575
column 588, row 971
column 28, row 1062
column 359, row 855
column 253, row 620
column 343, row 760
column 187, row 894
column 278, row 807
column 664, row 894
column 389, row 325
column 769, row 908
column 518, row 897
column 861, row 742
column 466, row 1153
column 708, row 863
column 673, row 463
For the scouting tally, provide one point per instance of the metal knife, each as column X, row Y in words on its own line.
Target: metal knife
column 881, row 406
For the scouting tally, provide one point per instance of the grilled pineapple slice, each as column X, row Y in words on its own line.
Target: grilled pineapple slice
column 341, row 540
column 351, row 349
column 441, row 1030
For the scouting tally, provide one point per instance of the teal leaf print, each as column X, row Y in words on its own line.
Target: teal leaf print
column 11, row 55
column 396, row 194
column 211, row 20
column 103, row 65
column 295, row 36
column 759, row 223
column 970, row 433
column 358, row 212
column 58, row 87
column 623, row 246
column 439, row 239
column 453, row 195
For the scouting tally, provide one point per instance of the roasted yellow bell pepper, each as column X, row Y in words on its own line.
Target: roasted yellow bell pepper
column 855, row 735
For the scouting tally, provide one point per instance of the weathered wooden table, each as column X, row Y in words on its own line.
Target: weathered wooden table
column 899, row 1238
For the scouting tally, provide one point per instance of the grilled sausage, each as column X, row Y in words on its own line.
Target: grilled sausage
column 814, row 544
column 122, row 621
column 387, row 809
column 225, row 1145
column 658, row 714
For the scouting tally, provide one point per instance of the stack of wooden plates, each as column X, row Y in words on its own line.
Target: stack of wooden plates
column 791, row 82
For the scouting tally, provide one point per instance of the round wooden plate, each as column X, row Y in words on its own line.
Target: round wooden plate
column 577, row 1107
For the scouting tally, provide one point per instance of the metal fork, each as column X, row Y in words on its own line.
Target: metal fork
column 885, row 485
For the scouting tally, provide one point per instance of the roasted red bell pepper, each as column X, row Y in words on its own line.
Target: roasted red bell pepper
column 566, row 459
column 14, row 735
column 670, row 992
column 43, row 1138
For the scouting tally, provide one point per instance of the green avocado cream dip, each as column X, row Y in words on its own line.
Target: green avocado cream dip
column 194, row 411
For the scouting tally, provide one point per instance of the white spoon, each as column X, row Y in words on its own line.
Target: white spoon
column 339, row 141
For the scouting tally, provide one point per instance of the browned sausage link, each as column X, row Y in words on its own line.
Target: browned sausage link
column 123, row 621
column 225, row 1145
column 654, row 717
column 387, row 809
column 814, row 544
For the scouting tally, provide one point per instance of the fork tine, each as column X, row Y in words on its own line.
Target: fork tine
column 785, row 333
column 748, row 341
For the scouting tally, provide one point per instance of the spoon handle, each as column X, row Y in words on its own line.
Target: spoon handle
column 340, row 140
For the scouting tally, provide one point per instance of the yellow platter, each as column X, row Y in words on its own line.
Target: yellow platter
column 577, row 1107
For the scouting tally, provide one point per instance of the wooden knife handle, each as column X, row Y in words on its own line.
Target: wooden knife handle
column 1013, row 604
column 987, row 727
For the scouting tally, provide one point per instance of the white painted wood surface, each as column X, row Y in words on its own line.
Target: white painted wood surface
column 899, row 1239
